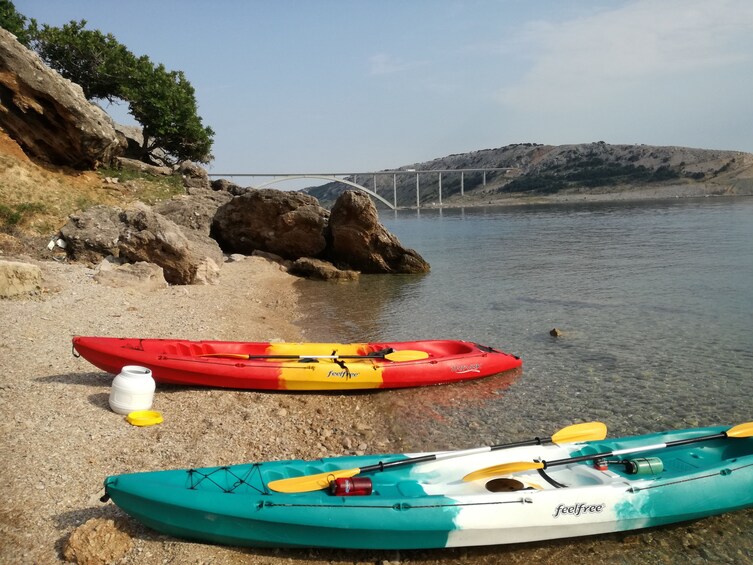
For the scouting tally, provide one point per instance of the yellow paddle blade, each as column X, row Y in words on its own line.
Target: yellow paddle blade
column 406, row 355
column 503, row 469
column 310, row 483
column 229, row 355
column 587, row 431
column 741, row 430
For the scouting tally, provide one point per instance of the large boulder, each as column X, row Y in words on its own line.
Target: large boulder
column 225, row 185
column 186, row 258
column 139, row 233
column 359, row 240
column 49, row 116
column 195, row 211
column 289, row 224
column 194, row 176
column 19, row 278
column 92, row 235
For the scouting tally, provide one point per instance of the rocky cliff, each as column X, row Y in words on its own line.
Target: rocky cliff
column 48, row 115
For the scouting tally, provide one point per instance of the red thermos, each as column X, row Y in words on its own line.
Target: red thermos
column 354, row 486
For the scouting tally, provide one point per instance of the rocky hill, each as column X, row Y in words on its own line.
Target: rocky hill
column 545, row 170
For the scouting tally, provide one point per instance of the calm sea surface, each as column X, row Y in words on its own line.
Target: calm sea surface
column 654, row 299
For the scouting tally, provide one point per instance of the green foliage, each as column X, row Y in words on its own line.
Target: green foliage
column 162, row 101
column 664, row 173
column 12, row 21
column 14, row 215
column 591, row 173
column 97, row 62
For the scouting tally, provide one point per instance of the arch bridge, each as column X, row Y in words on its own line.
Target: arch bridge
column 330, row 178
column 351, row 179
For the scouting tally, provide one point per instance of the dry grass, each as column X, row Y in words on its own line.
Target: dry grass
column 36, row 199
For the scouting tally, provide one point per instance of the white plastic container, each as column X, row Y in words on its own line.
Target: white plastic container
column 132, row 389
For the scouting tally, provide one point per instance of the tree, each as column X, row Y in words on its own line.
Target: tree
column 98, row 63
column 162, row 101
column 12, row 21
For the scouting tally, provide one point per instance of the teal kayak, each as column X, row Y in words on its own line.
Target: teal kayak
column 483, row 496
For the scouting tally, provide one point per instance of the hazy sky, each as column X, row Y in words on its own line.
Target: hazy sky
column 336, row 85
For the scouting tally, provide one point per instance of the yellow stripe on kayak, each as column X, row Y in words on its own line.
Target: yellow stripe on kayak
column 326, row 374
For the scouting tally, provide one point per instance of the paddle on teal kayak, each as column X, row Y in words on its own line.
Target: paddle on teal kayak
column 482, row 496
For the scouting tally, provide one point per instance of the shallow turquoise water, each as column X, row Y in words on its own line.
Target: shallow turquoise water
column 655, row 302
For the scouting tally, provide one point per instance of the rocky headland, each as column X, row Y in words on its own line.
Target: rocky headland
column 535, row 173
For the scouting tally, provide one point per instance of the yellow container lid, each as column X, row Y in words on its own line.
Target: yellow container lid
column 144, row 418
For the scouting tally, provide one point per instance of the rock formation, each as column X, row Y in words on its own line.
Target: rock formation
column 97, row 542
column 140, row 275
column 321, row 270
column 294, row 226
column 289, row 224
column 92, row 235
column 19, row 278
column 194, row 176
column 140, row 234
column 148, row 236
column 195, row 211
column 48, row 115
column 359, row 240
column 225, row 185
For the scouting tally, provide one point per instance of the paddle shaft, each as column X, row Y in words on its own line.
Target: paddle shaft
column 318, row 481
column 450, row 454
column 389, row 354
column 685, row 441
column 245, row 356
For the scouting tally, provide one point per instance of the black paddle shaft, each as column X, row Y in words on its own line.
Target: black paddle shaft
column 373, row 355
column 381, row 466
column 581, row 458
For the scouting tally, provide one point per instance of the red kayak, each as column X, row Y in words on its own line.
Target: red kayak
column 298, row 366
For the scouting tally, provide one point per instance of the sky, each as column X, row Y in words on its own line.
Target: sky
column 293, row 86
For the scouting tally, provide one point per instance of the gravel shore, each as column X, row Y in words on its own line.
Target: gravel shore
column 60, row 439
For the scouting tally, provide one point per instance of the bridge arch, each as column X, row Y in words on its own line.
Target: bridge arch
column 335, row 179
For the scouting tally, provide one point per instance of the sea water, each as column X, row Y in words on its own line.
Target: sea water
column 654, row 302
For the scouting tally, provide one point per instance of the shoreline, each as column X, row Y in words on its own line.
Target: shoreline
column 575, row 196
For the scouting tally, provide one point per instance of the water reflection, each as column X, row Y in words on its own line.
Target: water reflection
column 439, row 407
column 354, row 311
